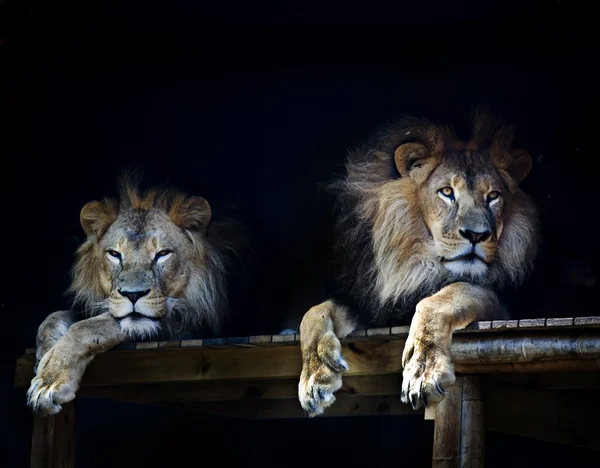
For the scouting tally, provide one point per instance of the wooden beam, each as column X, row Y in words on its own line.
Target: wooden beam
column 473, row 354
column 472, row 428
column 53, row 439
column 446, row 434
column 227, row 390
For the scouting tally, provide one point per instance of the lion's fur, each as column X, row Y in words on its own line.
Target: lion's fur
column 385, row 249
column 203, row 301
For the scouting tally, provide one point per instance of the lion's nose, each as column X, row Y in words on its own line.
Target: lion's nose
column 474, row 237
column 133, row 296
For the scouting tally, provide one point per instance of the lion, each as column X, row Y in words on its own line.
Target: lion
column 151, row 263
column 429, row 225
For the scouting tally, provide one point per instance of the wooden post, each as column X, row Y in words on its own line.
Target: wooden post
column 472, row 427
column 458, row 438
column 447, row 431
column 53, row 440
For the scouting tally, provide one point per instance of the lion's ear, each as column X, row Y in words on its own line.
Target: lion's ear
column 193, row 214
column 96, row 217
column 520, row 164
column 410, row 156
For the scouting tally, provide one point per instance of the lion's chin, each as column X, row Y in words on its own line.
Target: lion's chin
column 138, row 327
column 472, row 267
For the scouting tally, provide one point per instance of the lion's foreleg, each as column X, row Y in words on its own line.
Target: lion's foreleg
column 50, row 330
column 428, row 368
column 321, row 329
column 62, row 367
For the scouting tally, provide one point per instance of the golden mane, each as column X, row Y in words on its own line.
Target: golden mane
column 385, row 249
column 204, row 301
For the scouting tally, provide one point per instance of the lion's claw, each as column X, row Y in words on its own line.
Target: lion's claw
column 428, row 371
column 50, row 388
column 47, row 399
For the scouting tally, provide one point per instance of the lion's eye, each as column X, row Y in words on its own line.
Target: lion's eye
column 114, row 253
column 493, row 195
column 162, row 253
column 447, row 192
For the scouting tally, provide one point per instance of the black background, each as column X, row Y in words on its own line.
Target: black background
column 253, row 106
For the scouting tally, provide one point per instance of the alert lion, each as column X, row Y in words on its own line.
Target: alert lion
column 152, row 263
column 432, row 226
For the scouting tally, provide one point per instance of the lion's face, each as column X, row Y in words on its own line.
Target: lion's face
column 464, row 192
column 144, row 258
column 430, row 209
column 463, row 203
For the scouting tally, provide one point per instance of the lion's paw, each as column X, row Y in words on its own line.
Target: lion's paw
column 428, row 372
column 51, row 387
column 321, row 375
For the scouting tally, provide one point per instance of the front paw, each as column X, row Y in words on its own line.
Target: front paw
column 428, row 372
column 321, row 376
column 52, row 386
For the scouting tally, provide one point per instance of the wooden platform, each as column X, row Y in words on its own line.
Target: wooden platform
column 538, row 378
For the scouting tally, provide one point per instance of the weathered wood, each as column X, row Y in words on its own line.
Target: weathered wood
column 42, row 442
column 228, row 390
column 53, row 439
column 528, row 352
column 198, row 364
column 447, row 431
column 525, row 348
column 472, row 436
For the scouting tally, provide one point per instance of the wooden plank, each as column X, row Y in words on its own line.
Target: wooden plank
column 64, row 436
column 446, row 434
column 430, row 413
column 214, row 342
column 385, row 331
column 532, row 323
column 559, row 322
column 53, row 439
column 587, row 321
column 528, row 352
column 192, row 343
column 482, row 326
column 169, row 344
column 181, row 392
column 42, row 442
column 400, row 331
column 260, row 339
column 146, row 345
column 472, row 427
column 283, row 338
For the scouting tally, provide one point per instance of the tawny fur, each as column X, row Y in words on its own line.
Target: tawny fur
column 381, row 211
column 183, row 287
column 405, row 248
column 204, row 299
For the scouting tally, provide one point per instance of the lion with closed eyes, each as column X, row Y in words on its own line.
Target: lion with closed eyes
column 151, row 263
